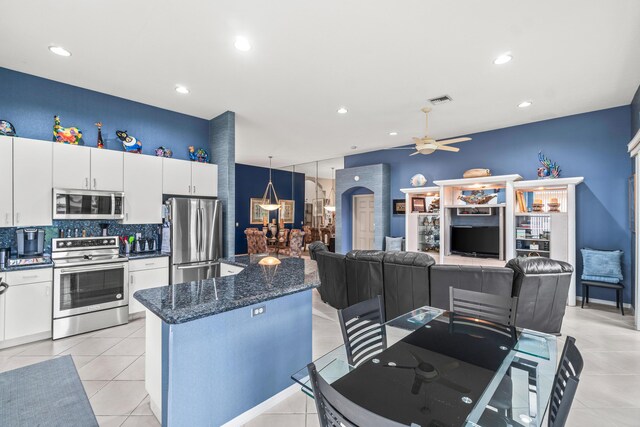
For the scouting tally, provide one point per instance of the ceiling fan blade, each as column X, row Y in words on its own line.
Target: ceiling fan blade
column 447, row 148
column 453, row 140
column 413, row 154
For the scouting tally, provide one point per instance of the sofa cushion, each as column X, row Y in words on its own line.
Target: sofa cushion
column 393, row 243
column 315, row 247
column 406, row 282
column 492, row 280
column 601, row 264
column 333, row 278
column 364, row 275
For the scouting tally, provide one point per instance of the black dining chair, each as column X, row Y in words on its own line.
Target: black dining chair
column 494, row 308
column 565, row 383
column 335, row 410
column 362, row 330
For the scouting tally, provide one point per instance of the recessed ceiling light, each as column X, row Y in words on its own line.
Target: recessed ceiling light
column 181, row 89
column 242, row 44
column 59, row 50
column 342, row 110
column 394, row 133
column 353, row 147
column 525, row 104
column 503, row 59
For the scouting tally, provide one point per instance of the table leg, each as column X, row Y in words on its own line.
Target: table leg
column 532, row 371
column 584, row 294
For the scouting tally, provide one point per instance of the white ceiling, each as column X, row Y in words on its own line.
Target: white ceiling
column 380, row 59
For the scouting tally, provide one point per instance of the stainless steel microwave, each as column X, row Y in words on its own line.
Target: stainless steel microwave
column 87, row 204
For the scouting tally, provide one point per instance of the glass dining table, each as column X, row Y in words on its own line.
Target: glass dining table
column 442, row 369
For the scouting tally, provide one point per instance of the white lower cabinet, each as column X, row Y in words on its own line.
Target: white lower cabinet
column 144, row 274
column 229, row 269
column 27, row 306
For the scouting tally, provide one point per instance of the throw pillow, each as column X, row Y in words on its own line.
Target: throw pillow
column 393, row 243
column 607, row 264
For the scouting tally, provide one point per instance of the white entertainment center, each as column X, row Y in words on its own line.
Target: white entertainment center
column 528, row 218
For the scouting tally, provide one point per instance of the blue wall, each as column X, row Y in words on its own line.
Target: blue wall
column 30, row 103
column 592, row 145
column 250, row 183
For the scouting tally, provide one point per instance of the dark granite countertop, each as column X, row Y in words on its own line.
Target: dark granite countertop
column 144, row 255
column 47, row 264
column 189, row 301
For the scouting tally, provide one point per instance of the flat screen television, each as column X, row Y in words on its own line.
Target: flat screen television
column 475, row 241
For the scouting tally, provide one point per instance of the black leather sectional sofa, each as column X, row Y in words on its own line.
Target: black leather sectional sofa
column 408, row 280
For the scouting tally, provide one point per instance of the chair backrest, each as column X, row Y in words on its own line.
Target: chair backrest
column 335, row 410
column 494, row 308
column 295, row 243
column 565, row 383
column 362, row 330
column 256, row 242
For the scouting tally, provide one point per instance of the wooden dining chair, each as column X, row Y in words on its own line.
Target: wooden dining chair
column 494, row 308
column 335, row 410
column 565, row 383
column 362, row 330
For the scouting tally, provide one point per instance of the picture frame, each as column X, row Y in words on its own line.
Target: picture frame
column 399, row 206
column 287, row 211
column 256, row 213
column 418, row 204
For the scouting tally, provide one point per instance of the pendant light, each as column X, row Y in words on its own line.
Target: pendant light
column 332, row 208
column 270, row 203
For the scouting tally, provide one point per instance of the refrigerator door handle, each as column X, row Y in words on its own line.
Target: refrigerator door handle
column 206, row 264
column 201, row 232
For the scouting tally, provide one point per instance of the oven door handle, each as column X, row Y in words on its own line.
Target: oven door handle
column 99, row 267
column 187, row 267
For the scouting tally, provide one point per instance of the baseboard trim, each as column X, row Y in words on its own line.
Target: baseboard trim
column 245, row 417
column 25, row 340
column 604, row 302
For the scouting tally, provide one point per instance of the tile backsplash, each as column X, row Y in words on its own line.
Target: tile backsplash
column 92, row 227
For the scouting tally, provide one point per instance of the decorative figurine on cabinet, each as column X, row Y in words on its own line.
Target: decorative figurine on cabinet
column 70, row 135
column 418, row 180
column 198, row 156
column 6, row 128
column 100, row 143
column 129, row 143
column 163, row 152
column 549, row 169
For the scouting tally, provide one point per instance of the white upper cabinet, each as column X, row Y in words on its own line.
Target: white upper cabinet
column 204, row 179
column 6, row 181
column 142, row 189
column 32, row 182
column 106, row 170
column 176, row 177
column 71, row 166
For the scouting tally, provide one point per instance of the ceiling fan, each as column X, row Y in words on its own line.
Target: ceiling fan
column 427, row 145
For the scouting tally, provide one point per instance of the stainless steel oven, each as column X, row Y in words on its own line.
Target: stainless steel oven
column 86, row 204
column 90, row 285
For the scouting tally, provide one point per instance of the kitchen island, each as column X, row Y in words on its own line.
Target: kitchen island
column 216, row 348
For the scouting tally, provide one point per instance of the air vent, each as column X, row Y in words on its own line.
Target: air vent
column 440, row 100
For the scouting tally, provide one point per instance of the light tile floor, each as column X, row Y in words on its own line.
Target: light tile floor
column 111, row 365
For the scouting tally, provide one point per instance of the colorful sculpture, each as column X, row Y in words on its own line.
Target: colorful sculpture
column 418, row 180
column 164, row 152
column 71, row 135
column 6, row 128
column 198, row 156
column 129, row 143
column 100, row 143
column 549, row 169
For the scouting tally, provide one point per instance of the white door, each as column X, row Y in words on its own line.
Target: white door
column 106, row 170
column 71, row 166
column 142, row 189
column 6, row 181
column 204, row 178
column 176, row 177
column 27, row 310
column 32, row 182
column 363, row 225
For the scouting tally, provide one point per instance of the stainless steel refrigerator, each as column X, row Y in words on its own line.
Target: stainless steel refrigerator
column 196, row 238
